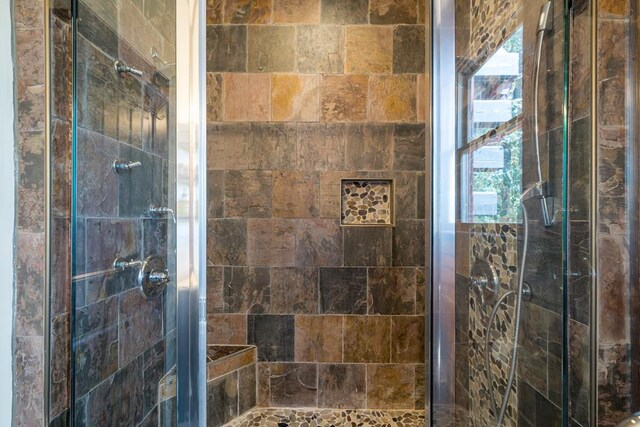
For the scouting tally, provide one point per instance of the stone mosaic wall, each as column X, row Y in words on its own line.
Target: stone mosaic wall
column 301, row 94
column 367, row 202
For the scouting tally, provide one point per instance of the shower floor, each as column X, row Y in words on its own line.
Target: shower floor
column 263, row 417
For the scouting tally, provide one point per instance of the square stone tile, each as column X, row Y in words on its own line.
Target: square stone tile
column 247, row 194
column 247, row 290
column 321, row 146
column 369, row 49
column 422, row 97
column 227, row 329
column 343, row 98
column 271, row 48
column 214, row 11
column 247, row 97
column 391, row 386
column 228, row 146
column 273, row 335
column 409, row 243
column 392, row 290
column 296, row 11
column 295, row 194
column 367, row 339
column 294, row 290
column 295, row 97
column 318, row 338
column 226, row 242
column 369, row 147
column 343, row 290
column 273, row 146
column 409, row 147
column 392, row 98
column 246, row 388
column 409, row 49
column 271, row 242
column 367, row 246
column 294, row 385
column 215, row 193
column 330, row 193
column 214, row 98
column 318, row 242
column 222, row 399
column 320, row 49
column 342, row 386
column 247, row 11
column 344, row 11
column 226, row 48
column 385, row 12
column 215, row 289
column 407, row 339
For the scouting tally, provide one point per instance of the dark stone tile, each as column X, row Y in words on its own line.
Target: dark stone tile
column 215, row 193
column 140, row 324
column 367, row 339
column 154, row 362
column 273, row 335
column 294, row 385
column 614, row 383
column 342, row 386
column 273, row 146
column 226, row 242
column 296, row 194
column 222, row 400
column 321, row 146
column 407, row 339
column 263, row 389
column 409, row 243
column 613, row 296
column 150, row 419
column 409, row 144
column 392, row 290
column 98, row 194
column 420, row 393
column 96, row 317
column 228, row 146
column 294, row 290
column 579, row 372
column 318, row 243
column 318, row 338
column 61, row 168
column 391, row 386
column 60, row 364
column 105, row 285
column 60, row 293
column 409, row 49
column 344, row 11
column 421, row 290
column 29, row 295
column 246, row 388
column 369, row 147
column 29, row 385
column 367, row 246
column 271, row 242
column 226, row 48
column 271, row 48
column 140, row 188
column 63, row 419
column 247, row 194
column 214, row 98
column 532, row 363
column 343, row 290
column 246, row 289
column 579, row 170
column 227, row 329
column 108, row 239
column 382, row 12
column 96, row 358
column 168, row 414
column 320, row 49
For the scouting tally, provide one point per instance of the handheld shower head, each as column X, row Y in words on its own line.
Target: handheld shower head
column 544, row 23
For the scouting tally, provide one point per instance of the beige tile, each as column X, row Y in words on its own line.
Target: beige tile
column 369, row 49
column 367, row 339
column 296, row 11
column 295, row 97
column 318, row 339
column 247, row 11
column 390, row 386
column 392, row 98
column 247, row 97
column 386, row 12
column 344, row 98
column 271, row 48
column 214, row 11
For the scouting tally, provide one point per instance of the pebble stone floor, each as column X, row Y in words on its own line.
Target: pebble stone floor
column 328, row 418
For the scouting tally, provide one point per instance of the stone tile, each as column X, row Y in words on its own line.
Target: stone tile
column 295, row 195
column 61, row 168
column 294, row 385
column 409, row 243
column 330, row 194
column 96, row 358
column 247, row 290
column 407, row 195
column 296, row 11
column 139, row 324
column 27, row 15
column 390, row 386
column 384, row 12
column 215, row 9
column 409, row 49
column 215, row 289
column 271, row 48
column 392, row 98
column 613, row 297
column 154, row 369
column 60, row 364
column 409, row 146
column 343, row 98
column 367, row 339
column 318, row 338
column 273, row 146
column 420, row 390
column 295, row 97
column 422, row 86
column 29, row 386
column 342, row 386
column 321, row 146
column 407, row 339
column 294, row 290
column 367, row 246
column 227, row 329
column 214, row 98
column 142, row 187
column 369, row 49
column 273, row 335
column 226, row 242
column 247, row 194
column 29, row 274
column 263, row 390
column 228, row 146
column 108, row 239
column 226, row 48
column 95, row 317
column 318, row 243
column 215, row 193
column 392, row 290
column 343, row 290
column 344, row 11
column 369, row 147
column 222, row 400
column 30, row 182
column 246, row 388
column 247, row 97
column 247, row 11
column 271, row 242
column 320, row 49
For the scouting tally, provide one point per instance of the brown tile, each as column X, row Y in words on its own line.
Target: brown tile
column 318, row 338
column 273, row 335
column 139, row 325
column 320, row 49
column 294, row 385
column 409, row 243
column 215, row 193
column 392, row 98
column 295, row 195
column 369, row 147
column 330, row 194
column 420, row 390
column 343, row 290
column 273, row 146
column 30, row 111
column 296, row 11
column 247, row 97
column 30, row 60
column 61, row 363
column 409, row 147
column 226, row 48
column 321, row 146
column 247, row 11
column 422, row 88
column 318, row 242
column 246, row 388
column 263, row 387
column 614, row 7
column 369, row 49
column 390, row 386
column 215, row 289
column 247, row 290
column 384, row 12
column 367, row 339
column 295, row 97
column 227, row 329
column 392, row 290
column 409, row 49
column 247, row 194
column 29, row 270
column 421, row 290
column 613, row 297
column 406, row 194
column 228, row 146
column 344, row 11
column 343, row 98
column 222, row 399
column 29, row 387
column 342, row 386
column 231, row 363
column 294, row 290
column 271, row 48
column 214, row 11
column 367, row 246
column 214, row 98
column 407, row 339
column 226, row 242
column 27, row 15
column 30, row 182
column 271, row 242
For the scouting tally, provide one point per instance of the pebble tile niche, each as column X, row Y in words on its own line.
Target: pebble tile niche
column 367, row 202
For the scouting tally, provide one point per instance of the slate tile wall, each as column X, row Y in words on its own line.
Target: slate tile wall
column 301, row 94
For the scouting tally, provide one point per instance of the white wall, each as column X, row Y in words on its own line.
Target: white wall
column 7, row 210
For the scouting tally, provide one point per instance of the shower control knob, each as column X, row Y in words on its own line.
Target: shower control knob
column 120, row 166
column 153, row 276
column 484, row 281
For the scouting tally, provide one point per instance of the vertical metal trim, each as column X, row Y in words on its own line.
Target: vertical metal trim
column 428, row 209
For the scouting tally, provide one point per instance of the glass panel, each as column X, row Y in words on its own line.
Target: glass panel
column 124, row 250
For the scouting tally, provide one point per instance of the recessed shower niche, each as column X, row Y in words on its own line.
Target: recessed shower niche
column 367, row 202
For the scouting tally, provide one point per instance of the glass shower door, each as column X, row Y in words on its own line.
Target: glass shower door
column 499, row 259
column 124, row 246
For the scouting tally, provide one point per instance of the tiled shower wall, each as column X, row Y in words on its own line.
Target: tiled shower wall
column 302, row 93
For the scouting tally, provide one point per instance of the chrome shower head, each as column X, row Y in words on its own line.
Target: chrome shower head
column 544, row 23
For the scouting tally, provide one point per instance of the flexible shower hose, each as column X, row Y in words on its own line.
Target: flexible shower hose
column 516, row 332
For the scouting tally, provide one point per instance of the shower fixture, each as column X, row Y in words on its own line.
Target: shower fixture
column 122, row 69
column 119, row 166
column 152, row 276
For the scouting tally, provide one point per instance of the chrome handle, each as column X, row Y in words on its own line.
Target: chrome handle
column 121, row 264
column 159, row 277
column 153, row 276
column 122, row 69
column 120, row 166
